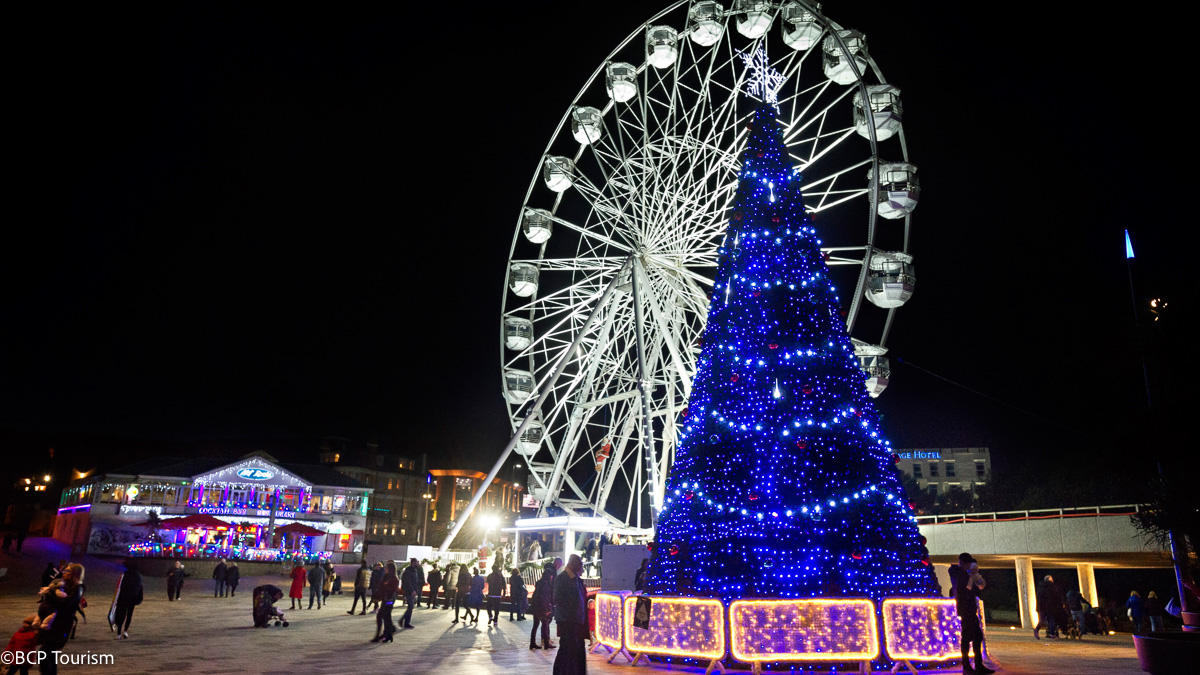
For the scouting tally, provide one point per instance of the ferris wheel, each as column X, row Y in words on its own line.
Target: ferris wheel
column 610, row 271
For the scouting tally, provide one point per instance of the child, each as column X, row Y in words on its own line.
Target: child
column 23, row 641
column 591, row 613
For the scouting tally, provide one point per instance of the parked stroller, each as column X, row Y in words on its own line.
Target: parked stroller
column 265, row 597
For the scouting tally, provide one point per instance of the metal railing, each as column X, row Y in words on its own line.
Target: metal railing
column 1032, row 514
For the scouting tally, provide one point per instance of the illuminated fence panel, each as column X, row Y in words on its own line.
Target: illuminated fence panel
column 609, row 619
column 687, row 627
column 921, row 629
column 817, row 629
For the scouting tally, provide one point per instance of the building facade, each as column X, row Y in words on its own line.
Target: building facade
column 398, row 483
column 107, row 513
column 939, row 470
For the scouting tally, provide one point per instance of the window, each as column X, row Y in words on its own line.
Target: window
column 917, row 470
column 980, row 469
column 933, row 470
column 950, row 470
column 401, row 533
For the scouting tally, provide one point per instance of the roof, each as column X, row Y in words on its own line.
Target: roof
column 176, row 467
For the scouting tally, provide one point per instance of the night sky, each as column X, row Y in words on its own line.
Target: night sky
column 246, row 222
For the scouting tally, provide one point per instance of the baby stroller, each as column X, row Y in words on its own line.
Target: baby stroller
column 265, row 597
column 1073, row 631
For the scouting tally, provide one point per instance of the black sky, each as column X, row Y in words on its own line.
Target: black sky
column 244, row 221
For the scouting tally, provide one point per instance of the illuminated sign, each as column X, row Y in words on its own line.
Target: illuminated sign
column 528, row 502
column 817, row 629
column 688, row 627
column 252, row 473
column 213, row 511
column 921, row 629
column 921, row 454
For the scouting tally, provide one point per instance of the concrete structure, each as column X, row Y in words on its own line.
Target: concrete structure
column 1083, row 538
column 939, row 470
column 105, row 514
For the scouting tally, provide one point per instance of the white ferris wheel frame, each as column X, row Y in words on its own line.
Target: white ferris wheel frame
column 623, row 315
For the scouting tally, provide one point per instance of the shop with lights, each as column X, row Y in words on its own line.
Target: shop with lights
column 254, row 509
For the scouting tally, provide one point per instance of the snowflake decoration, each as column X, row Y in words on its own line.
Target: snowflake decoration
column 764, row 81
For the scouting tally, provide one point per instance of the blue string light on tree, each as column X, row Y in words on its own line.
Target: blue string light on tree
column 783, row 484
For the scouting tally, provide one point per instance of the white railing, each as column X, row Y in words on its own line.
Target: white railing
column 1032, row 514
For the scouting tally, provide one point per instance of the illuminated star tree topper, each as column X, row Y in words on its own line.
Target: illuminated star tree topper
column 764, row 81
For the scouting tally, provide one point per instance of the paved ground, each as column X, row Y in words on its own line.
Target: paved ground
column 205, row 635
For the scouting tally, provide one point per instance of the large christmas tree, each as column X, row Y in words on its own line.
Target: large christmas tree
column 783, row 485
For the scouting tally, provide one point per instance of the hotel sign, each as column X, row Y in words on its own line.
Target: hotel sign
column 922, row 454
column 254, row 473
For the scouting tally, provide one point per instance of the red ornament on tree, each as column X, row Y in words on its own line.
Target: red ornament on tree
column 856, row 554
column 733, row 378
column 773, row 345
column 737, row 215
column 895, row 458
column 674, row 550
column 684, row 412
column 753, row 496
column 912, row 506
column 689, row 495
column 923, row 540
column 774, row 219
column 756, row 293
column 807, row 389
column 802, row 444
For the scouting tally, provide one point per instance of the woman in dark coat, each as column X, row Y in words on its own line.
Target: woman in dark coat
column 519, row 596
column 542, row 607
column 232, row 576
column 389, row 588
column 128, row 596
column 54, row 637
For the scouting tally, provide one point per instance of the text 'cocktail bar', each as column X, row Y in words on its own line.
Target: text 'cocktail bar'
column 256, row 508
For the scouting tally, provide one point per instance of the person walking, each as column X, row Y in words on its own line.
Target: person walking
column 219, row 579
column 966, row 584
column 296, row 592
column 1134, row 609
column 541, row 605
column 475, row 596
column 435, row 586
column 1075, row 607
column 362, row 582
column 128, row 596
column 316, row 583
column 377, row 573
column 48, row 574
column 496, row 585
column 518, row 595
column 53, row 638
column 411, row 585
column 570, row 613
column 450, row 582
column 175, row 579
column 1153, row 609
column 327, row 584
column 1049, row 603
column 232, row 576
column 389, row 587
column 462, row 591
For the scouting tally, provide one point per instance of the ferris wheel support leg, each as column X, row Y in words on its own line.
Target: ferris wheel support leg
column 532, row 412
column 647, row 438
